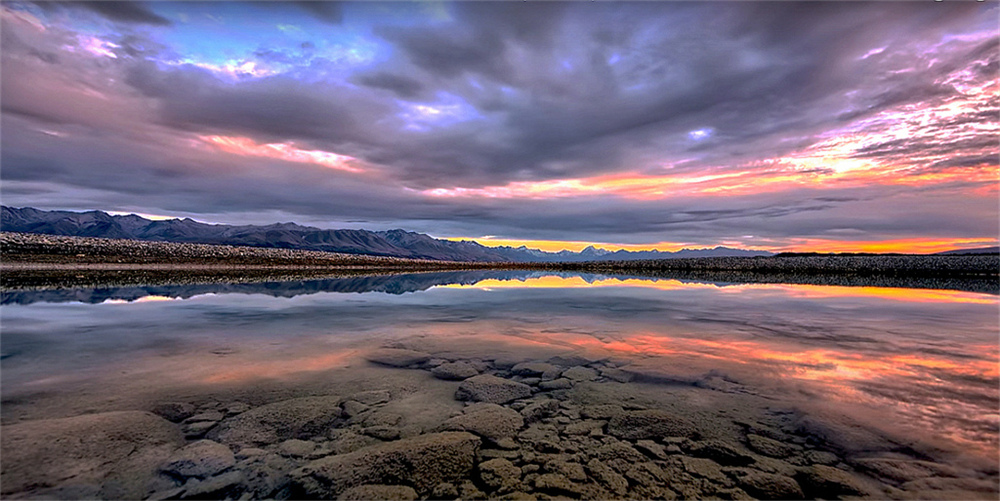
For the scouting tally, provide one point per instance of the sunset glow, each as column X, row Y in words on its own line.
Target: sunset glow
column 281, row 151
column 463, row 122
column 798, row 290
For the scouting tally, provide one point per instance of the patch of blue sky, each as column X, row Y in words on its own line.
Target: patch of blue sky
column 447, row 110
column 222, row 37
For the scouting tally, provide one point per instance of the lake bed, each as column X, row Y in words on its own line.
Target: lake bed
column 592, row 386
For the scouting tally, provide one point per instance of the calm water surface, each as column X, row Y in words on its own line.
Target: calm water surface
column 924, row 361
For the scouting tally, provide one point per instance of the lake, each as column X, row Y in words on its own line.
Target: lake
column 647, row 387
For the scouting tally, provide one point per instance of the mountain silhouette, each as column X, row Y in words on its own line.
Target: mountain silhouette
column 397, row 243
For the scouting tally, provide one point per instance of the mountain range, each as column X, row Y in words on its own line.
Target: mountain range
column 398, row 243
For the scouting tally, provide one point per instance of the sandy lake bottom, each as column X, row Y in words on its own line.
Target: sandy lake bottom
column 512, row 385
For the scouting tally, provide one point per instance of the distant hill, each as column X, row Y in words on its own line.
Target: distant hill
column 398, row 243
column 981, row 250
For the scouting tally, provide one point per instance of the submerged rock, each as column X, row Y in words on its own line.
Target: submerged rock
column 768, row 485
column 454, row 371
column 273, row 423
column 721, row 452
column 821, row 457
column 652, row 424
column 296, row 447
column 491, row 389
column 557, row 484
column 556, row 384
column 489, row 421
column 607, row 477
column 532, row 368
column 540, row 409
column 770, row 447
column 617, row 375
column 174, row 411
column 397, row 357
column 580, row 374
column 379, row 492
column 605, row 411
column 500, row 475
column 118, row 451
column 422, row 462
column 222, row 486
column 201, row 459
column 371, row 397
column 825, row 481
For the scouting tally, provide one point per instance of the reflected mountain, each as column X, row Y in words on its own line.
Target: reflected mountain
column 123, row 287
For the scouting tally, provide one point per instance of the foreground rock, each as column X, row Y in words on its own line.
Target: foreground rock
column 273, row 423
column 454, row 371
column 500, row 475
column 421, row 462
column 379, row 492
column 650, row 424
column 826, row 481
column 201, row 459
column 115, row 452
column 397, row 357
column 491, row 389
column 489, row 421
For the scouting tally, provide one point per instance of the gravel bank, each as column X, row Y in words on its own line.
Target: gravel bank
column 20, row 249
column 886, row 265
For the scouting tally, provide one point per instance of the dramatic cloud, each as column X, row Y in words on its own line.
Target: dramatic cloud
column 771, row 125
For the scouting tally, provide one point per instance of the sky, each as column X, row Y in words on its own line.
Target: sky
column 842, row 126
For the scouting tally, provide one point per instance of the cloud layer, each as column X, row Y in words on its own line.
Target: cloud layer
column 633, row 123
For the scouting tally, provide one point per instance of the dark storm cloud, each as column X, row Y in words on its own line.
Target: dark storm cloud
column 403, row 86
column 759, row 74
column 128, row 11
column 279, row 108
column 328, row 12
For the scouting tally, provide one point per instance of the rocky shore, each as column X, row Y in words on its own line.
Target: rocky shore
column 19, row 250
column 34, row 260
column 568, row 426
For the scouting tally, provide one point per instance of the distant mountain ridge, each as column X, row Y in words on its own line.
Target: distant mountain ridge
column 398, row 243
column 965, row 252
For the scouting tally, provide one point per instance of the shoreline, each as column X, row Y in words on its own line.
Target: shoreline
column 36, row 260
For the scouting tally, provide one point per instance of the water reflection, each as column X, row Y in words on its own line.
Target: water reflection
column 923, row 359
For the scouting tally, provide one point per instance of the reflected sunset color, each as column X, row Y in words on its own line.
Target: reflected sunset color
column 925, row 359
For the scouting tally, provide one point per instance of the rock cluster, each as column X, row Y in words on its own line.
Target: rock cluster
column 516, row 438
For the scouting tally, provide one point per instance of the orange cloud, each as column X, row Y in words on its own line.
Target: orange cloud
column 288, row 152
column 900, row 246
column 575, row 246
column 792, row 290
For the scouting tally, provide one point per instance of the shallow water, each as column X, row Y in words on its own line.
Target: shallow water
column 919, row 363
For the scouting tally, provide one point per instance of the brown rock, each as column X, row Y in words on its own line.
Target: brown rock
column 769, row 447
column 396, row 357
column 649, row 424
column 531, row 368
column 277, row 422
column 579, row 373
column 607, row 477
column 491, row 389
column 201, row 459
column 500, row 475
column 119, row 451
column 422, row 462
column 379, row 492
column 825, row 481
column 174, row 411
column 769, row 486
column 454, row 371
column 489, row 421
